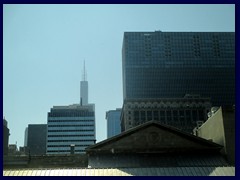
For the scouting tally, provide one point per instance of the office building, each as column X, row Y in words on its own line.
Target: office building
column 172, row 64
column 182, row 113
column 70, row 126
column 36, row 139
column 113, row 122
column 5, row 137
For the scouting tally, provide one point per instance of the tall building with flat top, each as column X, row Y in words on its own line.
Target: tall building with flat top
column 172, row 64
column 113, row 122
column 72, row 125
column 36, row 139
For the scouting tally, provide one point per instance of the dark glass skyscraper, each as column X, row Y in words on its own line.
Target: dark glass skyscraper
column 172, row 64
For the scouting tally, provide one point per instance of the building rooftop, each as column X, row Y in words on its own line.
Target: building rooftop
column 160, row 171
column 75, row 106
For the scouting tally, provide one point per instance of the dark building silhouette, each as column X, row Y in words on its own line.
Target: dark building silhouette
column 12, row 149
column 36, row 139
column 172, row 64
column 5, row 137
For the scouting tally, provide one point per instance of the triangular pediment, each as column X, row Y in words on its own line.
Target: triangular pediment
column 153, row 137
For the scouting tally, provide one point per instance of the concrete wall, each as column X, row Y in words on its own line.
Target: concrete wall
column 220, row 128
column 213, row 129
column 45, row 161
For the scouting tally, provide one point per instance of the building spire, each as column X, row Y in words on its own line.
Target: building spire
column 84, row 75
column 84, row 87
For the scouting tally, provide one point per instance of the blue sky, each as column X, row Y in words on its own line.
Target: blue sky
column 44, row 47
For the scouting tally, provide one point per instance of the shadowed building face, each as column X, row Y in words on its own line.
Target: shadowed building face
column 172, row 64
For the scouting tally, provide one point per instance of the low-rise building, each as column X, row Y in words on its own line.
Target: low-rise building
column 155, row 145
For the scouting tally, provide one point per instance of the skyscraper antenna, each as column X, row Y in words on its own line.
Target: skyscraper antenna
column 84, row 76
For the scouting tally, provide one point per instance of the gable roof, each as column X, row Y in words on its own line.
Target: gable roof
column 153, row 137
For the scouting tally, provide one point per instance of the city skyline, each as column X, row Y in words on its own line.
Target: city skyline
column 51, row 42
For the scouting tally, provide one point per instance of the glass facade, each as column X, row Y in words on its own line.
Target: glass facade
column 113, row 122
column 70, row 125
column 172, row 64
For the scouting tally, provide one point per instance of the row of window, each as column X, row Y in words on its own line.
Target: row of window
column 71, row 114
column 83, row 140
column 160, row 46
column 193, row 114
column 75, row 135
column 149, row 71
column 195, row 52
column 189, row 43
column 178, row 60
column 174, row 105
column 70, row 120
column 72, row 125
column 78, row 130
column 178, row 35
column 49, row 151
column 81, row 145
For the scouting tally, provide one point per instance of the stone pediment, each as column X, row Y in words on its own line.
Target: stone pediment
column 153, row 137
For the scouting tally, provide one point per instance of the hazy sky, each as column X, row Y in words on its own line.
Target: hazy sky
column 44, row 47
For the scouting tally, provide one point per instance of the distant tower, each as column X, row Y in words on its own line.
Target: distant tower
column 84, row 88
column 5, row 137
column 26, row 137
column 113, row 122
